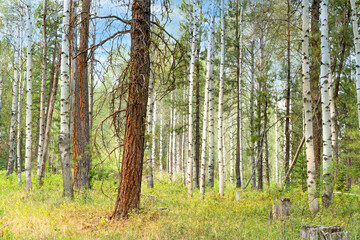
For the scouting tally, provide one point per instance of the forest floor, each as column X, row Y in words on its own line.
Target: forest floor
column 44, row 214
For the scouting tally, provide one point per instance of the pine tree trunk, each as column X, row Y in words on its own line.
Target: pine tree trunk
column 42, row 93
column 81, row 131
column 220, row 111
column 324, row 77
column 28, row 183
column 64, row 137
column 131, row 172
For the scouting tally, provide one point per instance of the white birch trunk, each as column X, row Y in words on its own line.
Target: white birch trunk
column 64, row 138
column 209, row 75
column 28, row 184
column 14, row 107
column 173, row 151
column 153, row 142
column 190, row 160
column 211, row 102
column 18, row 143
column 308, row 124
column 220, row 111
column 182, row 159
column 332, row 116
column 324, row 81
column 150, row 177
column 42, row 93
column 355, row 19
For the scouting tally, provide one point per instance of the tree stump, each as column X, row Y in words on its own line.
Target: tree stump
column 323, row 233
column 282, row 209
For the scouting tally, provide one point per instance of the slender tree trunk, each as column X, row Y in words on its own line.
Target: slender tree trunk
column 42, row 93
column 277, row 179
column 197, row 114
column 64, row 137
column 211, row 128
column 308, row 113
column 355, row 20
column 209, row 76
column 131, row 173
column 153, row 142
column 51, row 104
column 150, row 122
column 287, row 95
column 14, row 108
column 220, row 111
column 267, row 173
column 232, row 180
column 190, row 160
column 324, row 77
column 161, row 143
column 81, row 131
column 18, row 134
column 92, row 76
column 28, row 184
column 239, row 148
column 314, row 81
column 251, row 111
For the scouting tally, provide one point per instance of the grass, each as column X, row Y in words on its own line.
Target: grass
column 44, row 214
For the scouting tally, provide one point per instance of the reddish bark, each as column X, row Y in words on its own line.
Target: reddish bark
column 81, row 133
column 128, row 198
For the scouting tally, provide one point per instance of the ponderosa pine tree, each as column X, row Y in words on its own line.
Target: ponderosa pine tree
column 128, row 197
column 81, row 131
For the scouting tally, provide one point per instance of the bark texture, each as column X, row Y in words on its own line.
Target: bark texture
column 81, row 130
column 129, row 190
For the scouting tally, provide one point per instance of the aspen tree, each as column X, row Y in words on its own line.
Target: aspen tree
column 42, row 92
column 14, row 107
column 220, row 111
column 64, row 137
column 324, row 80
column 190, row 161
column 28, row 140
column 355, row 19
column 308, row 114
column 209, row 76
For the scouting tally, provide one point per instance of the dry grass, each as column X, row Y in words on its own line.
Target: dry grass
column 44, row 214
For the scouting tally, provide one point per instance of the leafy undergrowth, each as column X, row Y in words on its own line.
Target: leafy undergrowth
column 44, row 214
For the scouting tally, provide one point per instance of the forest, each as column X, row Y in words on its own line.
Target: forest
column 179, row 119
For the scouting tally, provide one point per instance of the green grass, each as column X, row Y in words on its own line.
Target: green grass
column 44, row 214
